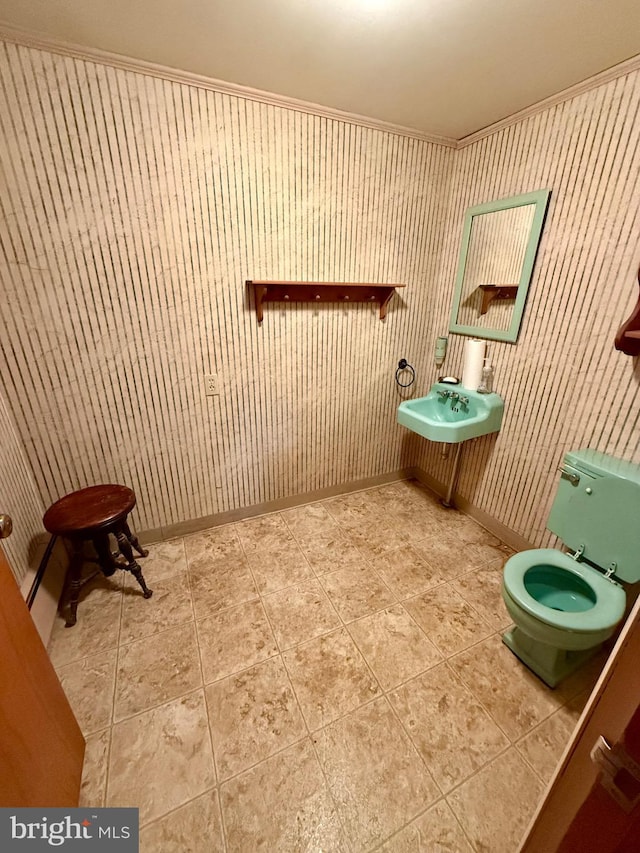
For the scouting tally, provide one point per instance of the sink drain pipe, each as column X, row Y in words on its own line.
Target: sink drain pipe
column 446, row 501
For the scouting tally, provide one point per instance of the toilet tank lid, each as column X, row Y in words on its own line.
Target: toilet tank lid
column 600, row 464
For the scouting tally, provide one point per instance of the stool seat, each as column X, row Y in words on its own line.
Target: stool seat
column 89, row 510
column 96, row 513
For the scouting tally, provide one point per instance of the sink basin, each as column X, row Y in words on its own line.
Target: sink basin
column 446, row 419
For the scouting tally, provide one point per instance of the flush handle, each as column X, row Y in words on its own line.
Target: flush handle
column 620, row 773
column 574, row 479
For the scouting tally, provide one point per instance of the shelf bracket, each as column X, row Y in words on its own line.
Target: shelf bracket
column 496, row 291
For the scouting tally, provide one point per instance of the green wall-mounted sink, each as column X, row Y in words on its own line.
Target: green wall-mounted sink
column 452, row 413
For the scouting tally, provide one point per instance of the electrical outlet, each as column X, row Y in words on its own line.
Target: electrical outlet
column 211, row 388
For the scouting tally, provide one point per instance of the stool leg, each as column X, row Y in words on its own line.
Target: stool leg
column 105, row 557
column 134, row 540
column 75, row 574
column 132, row 566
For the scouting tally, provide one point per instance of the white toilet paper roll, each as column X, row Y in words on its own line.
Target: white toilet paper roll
column 474, row 352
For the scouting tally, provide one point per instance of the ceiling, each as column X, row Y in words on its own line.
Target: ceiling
column 445, row 67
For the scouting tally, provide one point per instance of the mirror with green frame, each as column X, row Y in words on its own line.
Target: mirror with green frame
column 499, row 245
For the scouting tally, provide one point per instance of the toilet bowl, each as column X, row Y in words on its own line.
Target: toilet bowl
column 563, row 611
column 565, row 606
column 561, row 602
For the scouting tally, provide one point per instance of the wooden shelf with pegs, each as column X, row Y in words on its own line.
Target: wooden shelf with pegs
column 321, row 291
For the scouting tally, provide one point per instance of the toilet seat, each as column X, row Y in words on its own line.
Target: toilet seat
column 610, row 602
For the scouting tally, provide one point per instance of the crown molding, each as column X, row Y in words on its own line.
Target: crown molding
column 628, row 66
column 39, row 41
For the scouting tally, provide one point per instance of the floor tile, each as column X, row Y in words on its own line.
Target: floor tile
column 327, row 553
column 234, row 639
column 450, row 623
column 484, row 553
column 350, row 559
column 516, row 698
column 330, row 677
column 408, row 510
column 98, row 625
column 165, row 559
column 357, row 592
column 169, row 605
column 436, row 831
column 494, row 806
column 324, row 544
column 300, row 613
column 473, row 533
column 452, row 732
column 544, row 745
column 94, row 771
column 393, row 645
column 273, row 554
column 415, row 494
column 448, row 555
column 377, row 539
column 262, row 533
column 252, row 715
column 451, row 519
column 482, row 588
column 281, row 805
column 195, row 827
column 89, row 685
column 215, row 547
column 308, row 521
column 351, row 509
column 218, row 586
column 156, row 669
column 363, row 521
column 219, row 574
column 406, row 572
column 583, row 680
column 279, row 566
column 162, row 758
column 480, row 543
column 377, row 779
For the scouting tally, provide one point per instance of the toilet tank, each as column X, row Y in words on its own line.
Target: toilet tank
column 597, row 506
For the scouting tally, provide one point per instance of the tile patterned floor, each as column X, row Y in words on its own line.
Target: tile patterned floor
column 326, row 678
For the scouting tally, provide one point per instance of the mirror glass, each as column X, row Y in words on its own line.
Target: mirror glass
column 499, row 244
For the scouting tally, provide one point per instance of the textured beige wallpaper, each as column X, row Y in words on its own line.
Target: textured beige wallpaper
column 564, row 384
column 19, row 499
column 134, row 209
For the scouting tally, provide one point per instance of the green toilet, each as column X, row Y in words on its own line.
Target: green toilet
column 565, row 605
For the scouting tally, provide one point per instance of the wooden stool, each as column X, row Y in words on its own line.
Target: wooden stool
column 93, row 513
